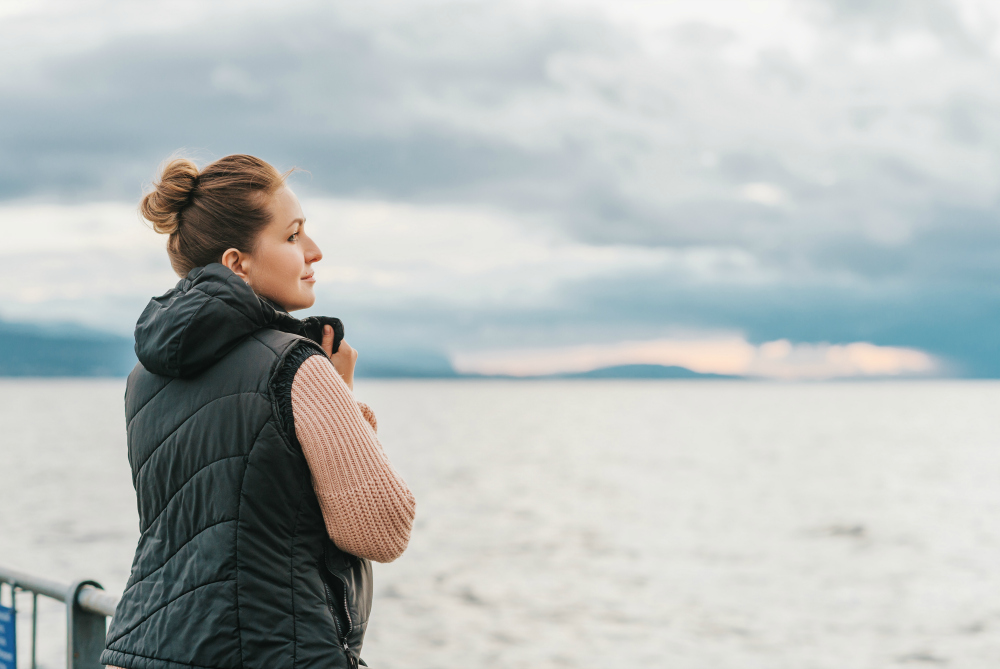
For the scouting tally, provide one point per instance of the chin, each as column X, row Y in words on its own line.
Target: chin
column 304, row 302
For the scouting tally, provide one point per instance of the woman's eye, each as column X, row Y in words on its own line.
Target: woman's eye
column 294, row 237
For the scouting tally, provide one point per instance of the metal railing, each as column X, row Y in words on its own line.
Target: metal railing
column 87, row 609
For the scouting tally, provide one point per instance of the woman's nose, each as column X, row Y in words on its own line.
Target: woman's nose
column 313, row 254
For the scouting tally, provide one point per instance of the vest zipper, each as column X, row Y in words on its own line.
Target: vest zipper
column 350, row 625
column 350, row 628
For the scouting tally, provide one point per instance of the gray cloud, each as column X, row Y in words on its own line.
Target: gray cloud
column 888, row 16
column 304, row 89
column 862, row 159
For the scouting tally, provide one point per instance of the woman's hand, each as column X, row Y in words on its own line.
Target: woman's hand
column 343, row 360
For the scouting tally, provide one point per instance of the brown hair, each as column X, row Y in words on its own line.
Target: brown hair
column 205, row 213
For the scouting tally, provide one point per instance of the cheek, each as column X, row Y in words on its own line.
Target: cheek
column 282, row 267
column 283, row 262
column 292, row 262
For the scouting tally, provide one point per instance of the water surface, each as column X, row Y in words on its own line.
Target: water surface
column 702, row 525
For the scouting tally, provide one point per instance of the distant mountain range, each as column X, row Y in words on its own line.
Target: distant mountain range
column 72, row 350
column 615, row 372
column 643, row 372
column 62, row 350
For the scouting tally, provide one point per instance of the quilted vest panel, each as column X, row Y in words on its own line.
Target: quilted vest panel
column 233, row 568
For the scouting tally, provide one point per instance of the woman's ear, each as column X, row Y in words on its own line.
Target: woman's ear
column 237, row 261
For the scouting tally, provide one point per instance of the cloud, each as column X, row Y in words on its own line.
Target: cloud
column 817, row 171
column 465, row 279
column 94, row 263
column 475, row 256
column 599, row 118
column 377, row 254
column 731, row 355
column 783, row 360
column 763, row 193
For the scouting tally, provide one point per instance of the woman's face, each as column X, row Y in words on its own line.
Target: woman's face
column 280, row 267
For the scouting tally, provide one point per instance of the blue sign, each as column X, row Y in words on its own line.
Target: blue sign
column 8, row 638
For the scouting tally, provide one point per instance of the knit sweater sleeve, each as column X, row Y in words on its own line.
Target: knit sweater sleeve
column 367, row 507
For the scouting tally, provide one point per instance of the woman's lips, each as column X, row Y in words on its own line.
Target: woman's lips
column 310, row 278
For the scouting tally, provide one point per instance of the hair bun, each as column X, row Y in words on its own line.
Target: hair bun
column 171, row 194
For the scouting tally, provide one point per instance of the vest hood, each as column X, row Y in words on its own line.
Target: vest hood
column 195, row 324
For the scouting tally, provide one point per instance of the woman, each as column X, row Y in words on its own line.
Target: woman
column 263, row 490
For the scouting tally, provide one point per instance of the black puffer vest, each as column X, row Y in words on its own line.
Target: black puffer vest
column 233, row 568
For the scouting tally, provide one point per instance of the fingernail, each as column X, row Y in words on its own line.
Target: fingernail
column 327, row 329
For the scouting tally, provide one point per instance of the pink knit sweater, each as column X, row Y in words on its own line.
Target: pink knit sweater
column 367, row 507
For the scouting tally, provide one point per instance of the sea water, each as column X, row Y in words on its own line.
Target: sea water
column 682, row 524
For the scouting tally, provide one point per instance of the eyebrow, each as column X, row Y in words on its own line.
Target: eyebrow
column 296, row 222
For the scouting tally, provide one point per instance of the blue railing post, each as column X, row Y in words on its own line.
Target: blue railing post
column 8, row 624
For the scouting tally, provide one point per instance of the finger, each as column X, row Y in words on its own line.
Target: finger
column 327, row 340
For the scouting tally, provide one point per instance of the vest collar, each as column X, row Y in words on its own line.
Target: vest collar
column 211, row 310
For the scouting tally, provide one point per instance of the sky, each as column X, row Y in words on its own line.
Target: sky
column 801, row 189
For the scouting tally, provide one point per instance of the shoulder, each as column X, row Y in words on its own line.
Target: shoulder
column 280, row 343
